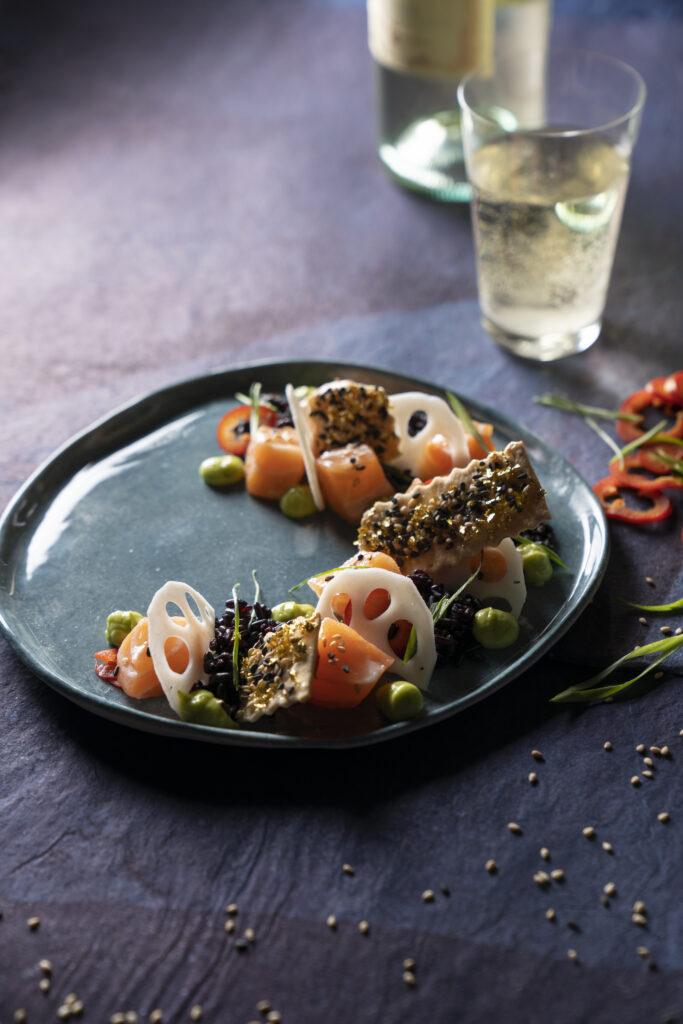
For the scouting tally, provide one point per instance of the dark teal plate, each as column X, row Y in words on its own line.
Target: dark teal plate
column 121, row 508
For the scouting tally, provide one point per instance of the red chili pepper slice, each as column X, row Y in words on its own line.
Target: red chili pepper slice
column 233, row 430
column 636, row 403
column 672, row 388
column 641, row 459
column 106, row 667
column 614, row 506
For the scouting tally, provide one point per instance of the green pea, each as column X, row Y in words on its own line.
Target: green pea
column 119, row 625
column 298, row 502
column 222, row 470
column 201, row 707
column 290, row 610
column 538, row 568
column 494, row 628
column 399, row 701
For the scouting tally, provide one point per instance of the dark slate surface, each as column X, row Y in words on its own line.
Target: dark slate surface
column 189, row 186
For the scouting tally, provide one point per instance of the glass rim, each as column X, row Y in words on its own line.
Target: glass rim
column 568, row 133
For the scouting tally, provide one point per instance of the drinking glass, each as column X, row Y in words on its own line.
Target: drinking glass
column 548, row 140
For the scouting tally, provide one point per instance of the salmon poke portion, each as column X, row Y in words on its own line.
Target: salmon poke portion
column 451, row 531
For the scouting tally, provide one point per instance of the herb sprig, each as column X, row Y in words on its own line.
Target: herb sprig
column 588, row 691
column 674, row 606
column 466, row 420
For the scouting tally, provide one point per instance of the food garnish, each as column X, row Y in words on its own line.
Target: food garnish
column 589, row 691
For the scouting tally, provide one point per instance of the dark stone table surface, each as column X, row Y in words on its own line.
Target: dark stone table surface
column 189, row 186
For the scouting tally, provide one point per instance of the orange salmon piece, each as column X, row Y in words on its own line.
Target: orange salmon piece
column 474, row 448
column 136, row 674
column 352, row 479
column 273, row 463
column 348, row 666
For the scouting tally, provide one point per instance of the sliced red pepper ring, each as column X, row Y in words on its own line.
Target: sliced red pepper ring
column 668, row 389
column 621, row 471
column 233, row 429
column 614, row 506
column 639, row 401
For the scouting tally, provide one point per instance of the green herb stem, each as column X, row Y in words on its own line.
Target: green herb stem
column 588, row 691
column 466, row 420
column 567, row 405
column 673, row 607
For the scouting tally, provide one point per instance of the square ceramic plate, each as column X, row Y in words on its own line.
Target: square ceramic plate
column 121, row 508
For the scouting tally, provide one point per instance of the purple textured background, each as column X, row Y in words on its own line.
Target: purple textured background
column 187, row 186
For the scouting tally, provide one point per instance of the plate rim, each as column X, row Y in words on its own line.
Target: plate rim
column 134, row 717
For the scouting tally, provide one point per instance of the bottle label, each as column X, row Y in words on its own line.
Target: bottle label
column 432, row 38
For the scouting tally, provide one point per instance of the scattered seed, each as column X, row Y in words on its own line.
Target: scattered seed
column 642, row 620
column 541, row 878
column 607, row 847
column 607, row 745
column 635, row 781
column 656, row 751
column 663, row 816
column 428, row 896
column 117, row 1018
column 610, row 889
column 665, row 752
column 550, row 914
column 573, row 955
column 648, row 579
column 639, row 919
column 557, row 875
column 331, row 921
column 263, row 1006
column 588, row 831
column 640, row 749
column 131, row 1017
column 545, row 853
column 45, row 965
column 20, row 1016
column 533, row 778
column 347, row 869
column 363, row 927
column 639, row 907
column 409, row 977
column 643, row 951
column 666, row 630
column 679, row 631
column 648, row 774
column 71, row 998
column 491, row 866
column 537, row 755
column 273, row 1017
column 33, row 923
column 63, row 1012
column 649, row 762
column 156, row 1017
column 514, row 828
column 229, row 926
column 44, row 985
column 196, row 1012
column 250, row 934
column 231, row 909
column 409, row 964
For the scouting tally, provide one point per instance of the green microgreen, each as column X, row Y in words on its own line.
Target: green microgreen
column 589, row 691
column 646, row 438
column 674, row 606
column 675, row 464
column 318, row 575
column 257, row 596
column 552, row 555
column 440, row 608
column 236, row 639
column 247, row 400
column 466, row 420
column 567, row 405
column 411, row 646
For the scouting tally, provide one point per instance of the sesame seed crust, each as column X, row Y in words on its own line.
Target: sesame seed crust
column 433, row 526
column 278, row 670
column 346, row 412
